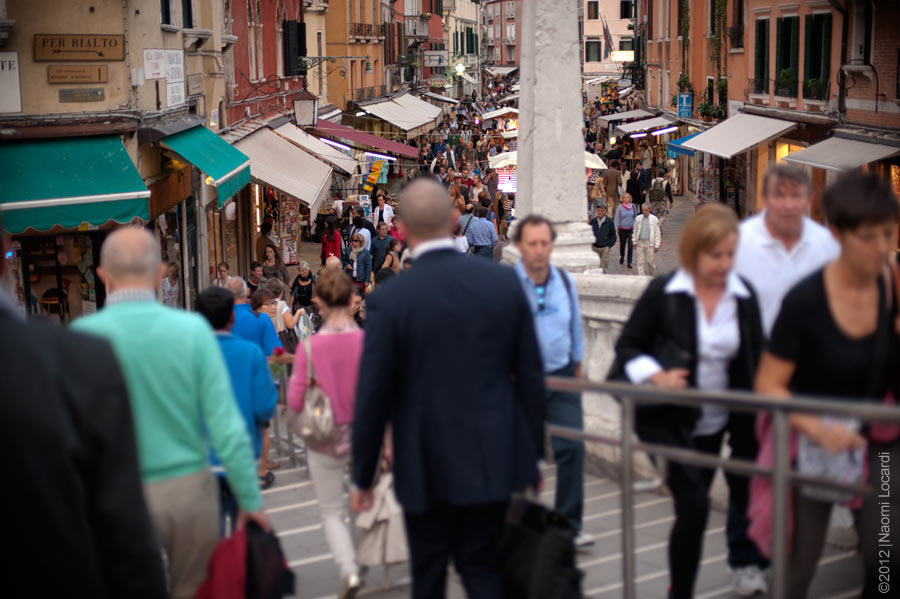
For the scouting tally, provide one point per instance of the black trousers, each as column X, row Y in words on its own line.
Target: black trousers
column 468, row 534
column 625, row 239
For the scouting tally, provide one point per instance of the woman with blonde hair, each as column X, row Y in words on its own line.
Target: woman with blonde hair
column 697, row 327
column 336, row 351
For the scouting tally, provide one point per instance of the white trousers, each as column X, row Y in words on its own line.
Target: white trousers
column 327, row 475
column 645, row 258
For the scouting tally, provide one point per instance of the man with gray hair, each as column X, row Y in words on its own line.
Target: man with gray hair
column 463, row 444
column 181, row 396
column 776, row 249
column 252, row 326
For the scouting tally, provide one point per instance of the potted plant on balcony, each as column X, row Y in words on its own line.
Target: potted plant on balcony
column 719, row 111
column 783, row 84
column 814, row 87
column 705, row 110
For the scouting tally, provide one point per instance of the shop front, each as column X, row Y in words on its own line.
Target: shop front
column 58, row 200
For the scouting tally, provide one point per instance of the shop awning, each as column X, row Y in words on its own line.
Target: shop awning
column 737, row 134
column 321, row 150
column 349, row 134
column 511, row 134
column 599, row 80
column 644, row 125
column 511, row 98
column 226, row 168
column 69, row 182
column 469, row 78
column 502, row 71
column 494, row 114
column 404, row 112
column 276, row 162
column 841, row 154
column 624, row 116
column 674, row 147
column 440, row 98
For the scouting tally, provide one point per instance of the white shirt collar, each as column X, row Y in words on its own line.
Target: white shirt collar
column 683, row 282
column 769, row 239
column 432, row 245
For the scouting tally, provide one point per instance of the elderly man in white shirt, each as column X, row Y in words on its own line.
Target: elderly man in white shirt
column 647, row 238
column 782, row 245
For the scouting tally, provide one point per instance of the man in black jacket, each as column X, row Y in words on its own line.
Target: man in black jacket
column 77, row 522
column 604, row 236
column 464, row 393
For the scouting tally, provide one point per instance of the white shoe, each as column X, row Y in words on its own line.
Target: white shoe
column 748, row 581
column 584, row 540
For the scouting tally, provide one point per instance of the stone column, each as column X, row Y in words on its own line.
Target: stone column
column 551, row 174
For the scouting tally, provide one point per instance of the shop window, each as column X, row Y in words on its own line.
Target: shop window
column 592, row 50
column 593, row 12
column 787, row 54
column 165, row 7
column 187, row 14
column 817, row 57
column 626, row 9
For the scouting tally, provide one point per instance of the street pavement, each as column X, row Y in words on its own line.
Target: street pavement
column 291, row 506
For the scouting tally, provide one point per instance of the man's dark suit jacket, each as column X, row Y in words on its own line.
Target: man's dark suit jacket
column 452, row 361
column 74, row 515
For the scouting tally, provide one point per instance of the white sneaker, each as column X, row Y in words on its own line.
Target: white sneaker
column 584, row 540
column 748, row 581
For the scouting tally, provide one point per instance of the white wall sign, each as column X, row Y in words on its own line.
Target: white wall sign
column 174, row 65
column 174, row 93
column 10, row 88
column 435, row 58
column 154, row 64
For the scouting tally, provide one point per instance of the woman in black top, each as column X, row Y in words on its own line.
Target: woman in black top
column 835, row 337
column 303, row 288
column 698, row 327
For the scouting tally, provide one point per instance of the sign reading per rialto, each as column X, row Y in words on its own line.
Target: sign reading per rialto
column 62, row 46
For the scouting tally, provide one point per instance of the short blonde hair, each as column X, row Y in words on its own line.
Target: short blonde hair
column 709, row 225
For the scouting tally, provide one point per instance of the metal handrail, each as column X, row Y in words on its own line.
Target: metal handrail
column 781, row 473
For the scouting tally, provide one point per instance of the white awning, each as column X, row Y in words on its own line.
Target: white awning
column 278, row 163
column 501, row 70
column 643, row 125
column 737, row 134
column 468, row 78
column 512, row 134
column 331, row 114
column 440, row 98
column 516, row 87
column 841, row 154
column 319, row 149
column 599, row 80
column 404, row 112
column 511, row 98
column 623, row 116
column 493, row 114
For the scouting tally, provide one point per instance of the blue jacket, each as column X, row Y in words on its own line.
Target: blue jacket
column 363, row 265
column 605, row 234
column 252, row 384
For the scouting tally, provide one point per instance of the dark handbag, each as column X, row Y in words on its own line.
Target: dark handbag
column 537, row 553
column 289, row 340
column 268, row 575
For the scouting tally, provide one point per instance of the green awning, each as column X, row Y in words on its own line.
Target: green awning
column 227, row 169
column 69, row 182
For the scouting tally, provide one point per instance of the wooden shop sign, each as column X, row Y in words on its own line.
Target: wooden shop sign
column 77, row 73
column 58, row 47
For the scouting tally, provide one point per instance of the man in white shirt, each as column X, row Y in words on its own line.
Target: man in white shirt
column 647, row 238
column 777, row 249
column 782, row 245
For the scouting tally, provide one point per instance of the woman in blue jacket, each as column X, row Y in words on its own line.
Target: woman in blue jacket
column 358, row 261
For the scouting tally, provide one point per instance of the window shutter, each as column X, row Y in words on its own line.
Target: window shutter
column 825, row 73
column 455, row 42
column 795, row 46
column 301, row 44
column 475, row 38
column 808, row 50
column 778, row 54
column 289, row 47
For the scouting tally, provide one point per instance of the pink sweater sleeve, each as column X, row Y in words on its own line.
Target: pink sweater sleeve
column 297, row 383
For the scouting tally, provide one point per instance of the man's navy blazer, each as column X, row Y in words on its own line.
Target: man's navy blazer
column 452, row 361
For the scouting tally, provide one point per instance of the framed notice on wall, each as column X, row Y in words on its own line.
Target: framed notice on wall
column 174, row 93
column 154, row 63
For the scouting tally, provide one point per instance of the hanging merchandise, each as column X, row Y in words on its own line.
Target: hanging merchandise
column 374, row 173
column 289, row 230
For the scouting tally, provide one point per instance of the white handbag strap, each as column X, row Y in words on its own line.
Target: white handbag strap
column 310, row 372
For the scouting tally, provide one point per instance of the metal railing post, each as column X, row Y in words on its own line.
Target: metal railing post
column 780, row 488
column 627, row 498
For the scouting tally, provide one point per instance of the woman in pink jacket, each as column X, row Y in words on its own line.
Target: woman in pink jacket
column 336, row 353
